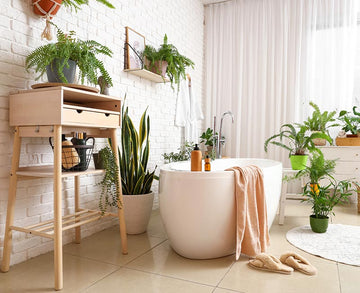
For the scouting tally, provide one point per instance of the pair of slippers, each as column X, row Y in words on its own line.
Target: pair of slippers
column 287, row 263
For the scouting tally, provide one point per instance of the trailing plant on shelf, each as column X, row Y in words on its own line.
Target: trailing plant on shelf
column 57, row 57
column 109, row 183
column 351, row 122
column 176, row 62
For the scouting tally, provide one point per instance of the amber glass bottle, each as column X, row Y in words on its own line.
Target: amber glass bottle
column 207, row 163
column 196, row 156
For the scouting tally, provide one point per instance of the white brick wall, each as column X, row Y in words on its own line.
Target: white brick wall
column 20, row 32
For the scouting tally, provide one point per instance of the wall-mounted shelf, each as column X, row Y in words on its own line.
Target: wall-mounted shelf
column 147, row 75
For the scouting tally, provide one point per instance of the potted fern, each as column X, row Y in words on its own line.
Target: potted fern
column 136, row 179
column 167, row 59
column 298, row 142
column 320, row 122
column 59, row 60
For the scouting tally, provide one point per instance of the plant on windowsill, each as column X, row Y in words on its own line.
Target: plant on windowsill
column 298, row 142
column 320, row 122
column 351, row 123
column 167, row 59
column 59, row 60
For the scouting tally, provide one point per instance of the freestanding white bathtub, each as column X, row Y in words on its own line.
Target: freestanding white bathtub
column 198, row 208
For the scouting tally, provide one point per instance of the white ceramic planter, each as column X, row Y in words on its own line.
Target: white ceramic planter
column 137, row 209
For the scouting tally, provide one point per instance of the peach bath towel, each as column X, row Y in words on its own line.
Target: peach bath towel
column 252, row 235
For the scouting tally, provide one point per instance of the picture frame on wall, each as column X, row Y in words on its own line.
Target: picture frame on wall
column 134, row 46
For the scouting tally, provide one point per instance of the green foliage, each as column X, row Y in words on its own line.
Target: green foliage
column 350, row 122
column 183, row 154
column 109, row 183
column 75, row 4
column 327, row 197
column 207, row 137
column 69, row 48
column 319, row 168
column 320, row 121
column 177, row 63
column 298, row 141
column 134, row 155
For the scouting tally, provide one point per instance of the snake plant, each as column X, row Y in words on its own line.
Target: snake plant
column 134, row 155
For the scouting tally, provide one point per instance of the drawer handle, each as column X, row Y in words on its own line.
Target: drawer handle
column 79, row 111
column 107, row 114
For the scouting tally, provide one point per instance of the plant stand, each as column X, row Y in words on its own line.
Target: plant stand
column 53, row 112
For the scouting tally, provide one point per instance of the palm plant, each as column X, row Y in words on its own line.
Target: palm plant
column 68, row 48
column 298, row 140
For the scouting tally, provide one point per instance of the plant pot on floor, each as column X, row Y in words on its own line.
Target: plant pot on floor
column 319, row 225
column 137, row 210
column 298, row 162
column 69, row 72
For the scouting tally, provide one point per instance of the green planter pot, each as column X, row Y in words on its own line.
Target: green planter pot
column 298, row 162
column 319, row 225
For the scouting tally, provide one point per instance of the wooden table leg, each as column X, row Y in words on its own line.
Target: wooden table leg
column 58, row 255
column 11, row 202
column 77, row 208
column 121, row 215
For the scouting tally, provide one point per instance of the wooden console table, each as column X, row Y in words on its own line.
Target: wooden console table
column 51, row 112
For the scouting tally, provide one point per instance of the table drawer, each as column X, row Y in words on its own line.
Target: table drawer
column 342, row 153
column 347, row 168
column 88, row 118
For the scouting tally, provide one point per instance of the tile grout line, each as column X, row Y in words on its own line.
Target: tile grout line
column 217, row 285
column 170, row 277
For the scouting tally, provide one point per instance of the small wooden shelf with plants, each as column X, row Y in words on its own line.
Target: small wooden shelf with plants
column 147, row 75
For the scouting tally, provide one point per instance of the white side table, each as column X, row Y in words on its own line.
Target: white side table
column 285, row 194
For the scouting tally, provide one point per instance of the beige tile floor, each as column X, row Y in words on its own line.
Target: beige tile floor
column 97, row 265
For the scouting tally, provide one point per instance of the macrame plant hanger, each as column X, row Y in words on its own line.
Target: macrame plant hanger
column 52, row 7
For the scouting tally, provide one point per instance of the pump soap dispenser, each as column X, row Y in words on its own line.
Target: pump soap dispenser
column 196, row 157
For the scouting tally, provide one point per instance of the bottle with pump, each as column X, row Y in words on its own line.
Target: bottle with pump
column 207, row 163
column 196, row 157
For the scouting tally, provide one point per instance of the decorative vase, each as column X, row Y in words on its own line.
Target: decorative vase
column 298, row 162
column 319, row 225
column 137, row 210
column 69, row 72
column 46, row 7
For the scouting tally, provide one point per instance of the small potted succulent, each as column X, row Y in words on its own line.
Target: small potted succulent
column 298, row 143
column 320, row 122
column 59, row 60
column 166, row 59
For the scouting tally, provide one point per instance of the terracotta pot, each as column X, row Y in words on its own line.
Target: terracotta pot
column 43, row 7
column 137, row 210
column 159, row 67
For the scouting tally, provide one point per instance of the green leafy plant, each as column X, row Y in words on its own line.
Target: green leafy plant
column 298, row 141
column 325, row 198
column 134, row 155
column 177, row 63
column 320, row 121
column 351, row 123
column 183, row 154
column 318, row 169
column 207, row 137
column 75, row 4
column 68, row 48
column 110, row 183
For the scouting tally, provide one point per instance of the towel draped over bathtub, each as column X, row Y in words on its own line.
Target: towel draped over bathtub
column 252, row 235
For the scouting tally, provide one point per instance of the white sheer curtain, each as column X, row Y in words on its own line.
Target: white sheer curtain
column 258, row 57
